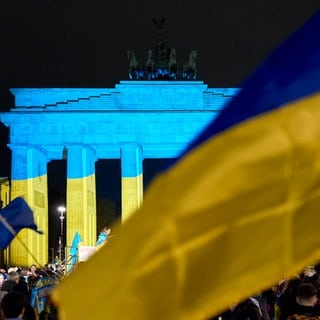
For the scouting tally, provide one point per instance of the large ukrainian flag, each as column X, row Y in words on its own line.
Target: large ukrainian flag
column 237, row 212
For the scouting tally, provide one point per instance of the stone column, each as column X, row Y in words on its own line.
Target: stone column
column 29, row 180
column 81, row 194
column 131, row 179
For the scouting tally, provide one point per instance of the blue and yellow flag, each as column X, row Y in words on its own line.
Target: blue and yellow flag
column 235, row 214
column 16, row 216
column 74, row 251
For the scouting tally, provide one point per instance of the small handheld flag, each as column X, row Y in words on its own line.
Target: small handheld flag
column 16, row 216
column 74, row 250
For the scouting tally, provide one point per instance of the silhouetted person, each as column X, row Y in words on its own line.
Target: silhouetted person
column 246, row 310
column 12, row 305
column 287, row 300
column 306, row 306
column 29, row 313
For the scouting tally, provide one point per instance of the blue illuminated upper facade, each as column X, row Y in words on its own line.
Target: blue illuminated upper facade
column 159, row 116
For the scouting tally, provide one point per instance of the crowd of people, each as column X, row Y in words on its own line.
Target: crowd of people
column 25, row 294
column 291, row 299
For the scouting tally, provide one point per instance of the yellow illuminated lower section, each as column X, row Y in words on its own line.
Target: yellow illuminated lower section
column 132, row 195
column 80, row 214
column 30, row 247
column 81, row 210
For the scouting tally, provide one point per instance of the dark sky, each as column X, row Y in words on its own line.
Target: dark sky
column 68, row 43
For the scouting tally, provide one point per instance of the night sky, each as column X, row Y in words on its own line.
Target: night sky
column 68, row 43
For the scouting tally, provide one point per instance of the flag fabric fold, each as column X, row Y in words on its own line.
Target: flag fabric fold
column 235, row 214
column 16, row 216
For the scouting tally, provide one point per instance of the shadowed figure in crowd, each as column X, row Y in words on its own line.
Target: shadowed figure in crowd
column 13, row 305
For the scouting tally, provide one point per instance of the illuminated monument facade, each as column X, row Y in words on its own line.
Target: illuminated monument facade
column 136, row 120
column 155, row 114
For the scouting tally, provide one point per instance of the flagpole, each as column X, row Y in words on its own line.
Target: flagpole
column 61, row 210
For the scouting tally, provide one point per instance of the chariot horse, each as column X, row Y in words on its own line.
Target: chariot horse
column 173, row 65
column 150, row 65
column 135, row 70
column 190, row 68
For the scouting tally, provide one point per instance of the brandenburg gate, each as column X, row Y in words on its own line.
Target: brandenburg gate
column 133, row 121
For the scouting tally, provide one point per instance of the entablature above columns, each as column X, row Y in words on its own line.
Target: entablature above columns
column 107, row 128
column 161, row 116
